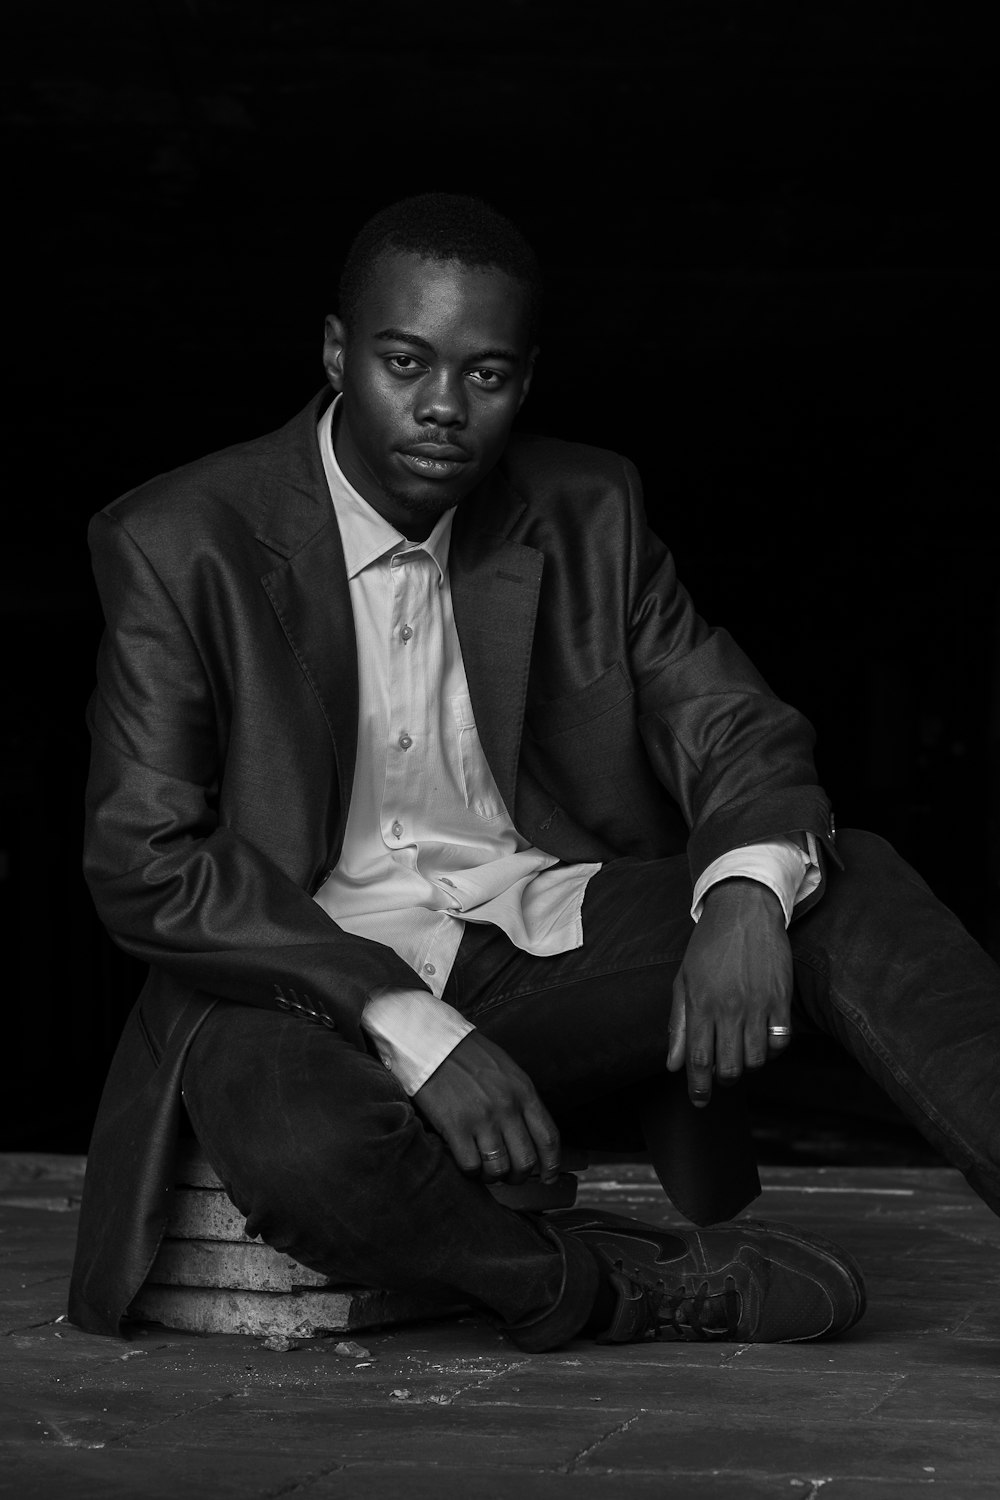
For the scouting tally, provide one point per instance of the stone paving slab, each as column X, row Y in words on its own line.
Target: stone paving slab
column 391, row 1483
column 655, row 1442
column 412, row 1429
column 51, row 1473
column 680, row 1387
column 907, row 1403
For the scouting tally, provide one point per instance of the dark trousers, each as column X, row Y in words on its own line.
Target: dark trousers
column 322, row 1151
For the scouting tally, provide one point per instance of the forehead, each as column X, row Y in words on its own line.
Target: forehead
column 445, row 302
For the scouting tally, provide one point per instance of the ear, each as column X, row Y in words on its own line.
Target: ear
column 529, row 371
column 334, row 346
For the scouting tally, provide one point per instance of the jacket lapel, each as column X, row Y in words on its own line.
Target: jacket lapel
column 494, row 588
column 309, row 590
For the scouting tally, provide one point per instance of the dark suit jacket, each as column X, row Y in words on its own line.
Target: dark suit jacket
column 224, row 727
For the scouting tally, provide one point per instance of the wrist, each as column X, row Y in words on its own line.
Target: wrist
column 741, row 893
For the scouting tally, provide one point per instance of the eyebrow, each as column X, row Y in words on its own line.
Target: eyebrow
column 400, row 336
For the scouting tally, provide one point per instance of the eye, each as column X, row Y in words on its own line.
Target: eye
column 490, row 380
column 403, row 364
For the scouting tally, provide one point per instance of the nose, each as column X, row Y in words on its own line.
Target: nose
column 442, row 401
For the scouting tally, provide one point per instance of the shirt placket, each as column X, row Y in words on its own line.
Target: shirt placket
column 408, row 673
column 415, row 669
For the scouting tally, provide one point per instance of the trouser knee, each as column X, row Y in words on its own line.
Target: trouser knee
column 346, row 1186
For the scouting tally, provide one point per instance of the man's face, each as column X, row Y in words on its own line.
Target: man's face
column 433, row 371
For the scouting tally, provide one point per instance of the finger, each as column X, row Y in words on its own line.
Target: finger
column 677, row 1027
column 700, row 1062
column 545, row 1136
column 521, row 1153
column 494, row 1159
column 755, row 1044
column 729, row 1052
column 465, row 1151
column 779, row 1033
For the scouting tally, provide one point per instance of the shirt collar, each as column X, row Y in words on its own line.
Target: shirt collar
column 366, row 535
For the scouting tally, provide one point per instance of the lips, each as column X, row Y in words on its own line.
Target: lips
column 444, row 451
column 433, row 460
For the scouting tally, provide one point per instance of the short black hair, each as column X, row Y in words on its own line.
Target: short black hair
column 441, row 226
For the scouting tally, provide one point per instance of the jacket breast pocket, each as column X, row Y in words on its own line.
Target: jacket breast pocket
column 482, row 796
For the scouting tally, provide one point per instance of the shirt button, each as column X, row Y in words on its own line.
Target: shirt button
column 397, row 829
column 429, row 969
column 405, row 742
column 406, row 633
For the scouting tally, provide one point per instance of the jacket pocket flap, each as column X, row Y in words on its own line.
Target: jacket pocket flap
column 559, row 714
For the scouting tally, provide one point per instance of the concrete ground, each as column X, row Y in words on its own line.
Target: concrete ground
column 907, row 1404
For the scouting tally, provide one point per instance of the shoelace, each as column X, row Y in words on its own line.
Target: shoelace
column 683, row 1312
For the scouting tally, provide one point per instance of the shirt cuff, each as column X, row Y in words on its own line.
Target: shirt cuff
column 413, row 1033
column 787, row 868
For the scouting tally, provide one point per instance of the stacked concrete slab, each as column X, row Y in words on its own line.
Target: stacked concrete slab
column 211, row 1277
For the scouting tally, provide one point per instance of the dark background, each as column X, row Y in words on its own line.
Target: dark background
column 765, row 227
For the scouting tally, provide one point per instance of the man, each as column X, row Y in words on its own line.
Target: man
column 402, row 729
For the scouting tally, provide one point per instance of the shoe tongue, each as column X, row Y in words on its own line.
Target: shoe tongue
column 713, row 1314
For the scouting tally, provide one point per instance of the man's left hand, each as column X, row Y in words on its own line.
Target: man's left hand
column 735, row 982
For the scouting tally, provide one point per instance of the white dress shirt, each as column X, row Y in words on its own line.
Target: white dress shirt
column 429, row 844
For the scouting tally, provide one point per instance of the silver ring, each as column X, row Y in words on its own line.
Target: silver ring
column 779, row 1031
column 491, row 1155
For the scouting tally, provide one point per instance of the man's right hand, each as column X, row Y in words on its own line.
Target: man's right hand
column 489, row 1113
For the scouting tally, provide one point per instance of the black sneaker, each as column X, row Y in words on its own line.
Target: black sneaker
column 747, row 1282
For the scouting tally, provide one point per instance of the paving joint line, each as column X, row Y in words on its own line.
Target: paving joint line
column 132, row 1429
column 896, row 1381
column 30, row 1327
column 570, row 1466
column 773, row 1476
column 816, row 1485
column 981, row 1240
column 296, row 1486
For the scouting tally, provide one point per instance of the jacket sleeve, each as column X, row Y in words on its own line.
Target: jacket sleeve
column 737, row 760
column 175, row 887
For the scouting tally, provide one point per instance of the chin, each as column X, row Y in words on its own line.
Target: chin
column 426, row 503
